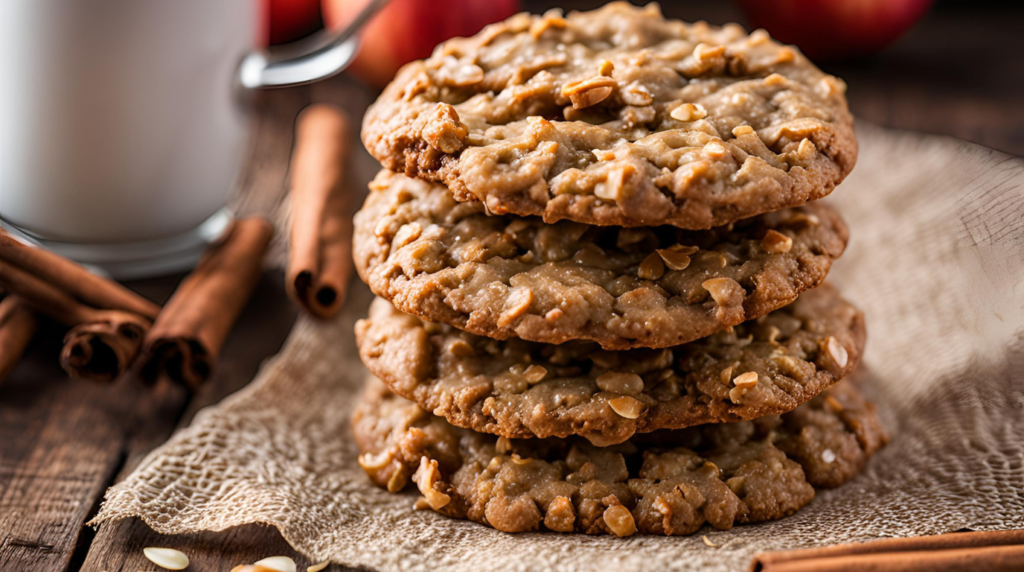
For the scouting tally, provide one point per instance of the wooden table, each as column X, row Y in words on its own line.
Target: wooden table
column 63, row 442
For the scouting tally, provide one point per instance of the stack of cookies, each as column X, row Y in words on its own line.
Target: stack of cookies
column 600, row 276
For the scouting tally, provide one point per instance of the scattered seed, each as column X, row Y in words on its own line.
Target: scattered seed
column 674, row 260
column 652, row 268
column 626, row 406
column 279, row 563
column 168, row 558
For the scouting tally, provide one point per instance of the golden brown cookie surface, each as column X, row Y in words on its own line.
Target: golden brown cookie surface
column 668, row 482
column 617, row 117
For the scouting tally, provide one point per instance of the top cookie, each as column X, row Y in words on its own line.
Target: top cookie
column 617, row 117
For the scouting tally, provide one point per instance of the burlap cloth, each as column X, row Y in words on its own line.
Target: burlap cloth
column 936, row 262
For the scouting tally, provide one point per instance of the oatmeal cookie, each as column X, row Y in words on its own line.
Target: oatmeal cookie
column 508, row 276
column 667, row 482
column 617, row 117
column 520, row 389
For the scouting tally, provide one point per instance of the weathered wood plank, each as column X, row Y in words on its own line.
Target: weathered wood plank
column 61, row 443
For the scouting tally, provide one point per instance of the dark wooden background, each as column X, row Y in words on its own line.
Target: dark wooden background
column 63, row 442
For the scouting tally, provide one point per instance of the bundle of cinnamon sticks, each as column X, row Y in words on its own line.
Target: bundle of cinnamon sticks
column 111, row 327
column 995, row 551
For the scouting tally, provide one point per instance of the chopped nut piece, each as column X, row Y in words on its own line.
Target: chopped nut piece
column 743, row 383
column 674, row 260
column 708, row 542
column 620, row 382
column 735, row 484
column 689, row 112
column 637, row 95
column 553, row 315
column 168, row 558
column 736, row 394
column 251, row 568
column 775, row 80
column 590, row 97
column 520, row 461
column 371, row 462
column 425, row 477
column 503, row 445
column 611, row 188
column 716, row 149
column 319, row 567
column 619, row 520
column 461, row 349
column 406, row 234
column 776, row 242
column 837, row 352
column 605, row 68
column 746, row 380
column 444, row 131
column 652, row 268
column 725, row 291
column 519, row 303
column 742, row 130
column 804, row 219
column 535, row 373
column 626, row 406
column 398, row 480
column 560, row 516
column 726, row 375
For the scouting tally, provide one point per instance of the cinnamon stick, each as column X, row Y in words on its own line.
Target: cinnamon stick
column 76, row 281
column 990, row 551
column 17, row 326
column 320, row 261
column 101, row 344
column 187, row 336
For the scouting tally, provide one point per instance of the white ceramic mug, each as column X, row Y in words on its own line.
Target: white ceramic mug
column 120, row 128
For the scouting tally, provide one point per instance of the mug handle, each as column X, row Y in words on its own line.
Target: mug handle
column 323, row 56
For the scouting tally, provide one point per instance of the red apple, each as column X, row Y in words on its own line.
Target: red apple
column 290, row 20
column 835, row 29
column 407, row 30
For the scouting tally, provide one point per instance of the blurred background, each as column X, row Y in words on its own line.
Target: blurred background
column 951, row 67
